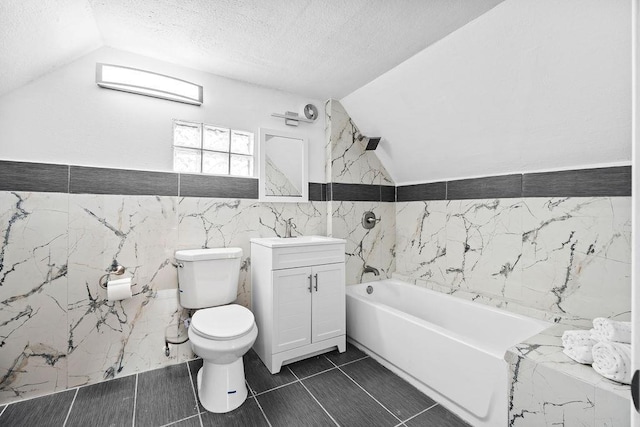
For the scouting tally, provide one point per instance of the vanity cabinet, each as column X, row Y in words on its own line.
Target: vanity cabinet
column 298, row 298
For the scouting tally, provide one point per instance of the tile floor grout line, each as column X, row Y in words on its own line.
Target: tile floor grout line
column 275, row 388
column 317, row 373
column 314, row 398
column 179, row 421
column 371, row 396
column 135, row 403
column 253, row 394
column 195, row 394
column 421, row 412
column 262, row 410
column 354, row 361
column 69, row 411
column 330, row 361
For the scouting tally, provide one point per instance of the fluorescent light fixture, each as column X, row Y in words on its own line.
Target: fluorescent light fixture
column 147, row 83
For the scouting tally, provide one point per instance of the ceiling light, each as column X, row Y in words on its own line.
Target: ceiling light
column 147, row 83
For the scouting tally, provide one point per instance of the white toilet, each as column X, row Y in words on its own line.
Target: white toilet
column 220, row 334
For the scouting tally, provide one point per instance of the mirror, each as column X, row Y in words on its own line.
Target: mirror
column 284, row 176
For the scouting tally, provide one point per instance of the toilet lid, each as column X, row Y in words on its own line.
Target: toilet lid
column 222, row 323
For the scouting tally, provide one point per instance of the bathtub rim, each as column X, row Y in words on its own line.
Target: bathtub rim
column 463, row 339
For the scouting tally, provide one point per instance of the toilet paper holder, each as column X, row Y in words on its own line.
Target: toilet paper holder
column 116, row 269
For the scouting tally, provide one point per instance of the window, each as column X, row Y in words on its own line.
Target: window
column 203, row 148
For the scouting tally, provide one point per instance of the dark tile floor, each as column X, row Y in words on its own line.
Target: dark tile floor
column 348, row 389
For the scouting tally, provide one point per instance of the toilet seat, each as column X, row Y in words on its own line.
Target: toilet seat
column 222, row 323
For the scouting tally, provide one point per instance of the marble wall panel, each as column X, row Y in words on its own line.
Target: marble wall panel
column 33, row 293
column 208, row 223
column 349, row 161
column 484, row 243
column 567, row 259
column 421, row 239
column 576, row 256
column 540, row 396
column 374, row 247
column 139, row 232
column 58, row 328
column 548, row 388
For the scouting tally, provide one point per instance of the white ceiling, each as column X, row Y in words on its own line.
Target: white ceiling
column 38, row 36
column 322, row 49
column 528, row 86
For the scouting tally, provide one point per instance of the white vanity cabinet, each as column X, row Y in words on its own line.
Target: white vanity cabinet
column 298, row 297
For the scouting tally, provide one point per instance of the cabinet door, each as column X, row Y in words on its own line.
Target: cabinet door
column 291, row 308
column 328, row 302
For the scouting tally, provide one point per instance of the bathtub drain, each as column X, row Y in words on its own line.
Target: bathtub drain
column 369, row 289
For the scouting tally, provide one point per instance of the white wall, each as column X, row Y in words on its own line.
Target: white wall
column 530, row 85
column 64, row 117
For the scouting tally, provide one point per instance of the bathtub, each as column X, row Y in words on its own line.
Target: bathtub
column 449, row 348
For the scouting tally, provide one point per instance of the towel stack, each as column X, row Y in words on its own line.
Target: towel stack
column 578, row 345
column 607, row 347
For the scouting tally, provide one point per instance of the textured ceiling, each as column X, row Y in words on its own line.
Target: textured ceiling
column 38, row 36
column 316, row 48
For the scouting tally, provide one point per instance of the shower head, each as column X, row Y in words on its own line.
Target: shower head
column 372, row 142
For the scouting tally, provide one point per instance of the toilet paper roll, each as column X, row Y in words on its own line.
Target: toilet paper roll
column 119, row 289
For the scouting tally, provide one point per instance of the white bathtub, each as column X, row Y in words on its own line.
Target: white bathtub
column 449, row 348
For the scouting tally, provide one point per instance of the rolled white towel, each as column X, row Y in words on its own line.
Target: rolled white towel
column 613, row 360
column 577, row 345
column 581, row 354
column 611, row 330
column 577, row 338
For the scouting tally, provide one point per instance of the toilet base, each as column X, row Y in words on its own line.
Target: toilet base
column 221, row 388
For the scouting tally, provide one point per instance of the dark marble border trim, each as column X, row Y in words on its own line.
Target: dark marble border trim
column 317, row 192
column 387, row 193
column 218, row 186
column 28, row 176
column 614, row 181
column 420, row 192
column 599, row 182
column 44, row 177
column 491, row 187
column 88, row 180
column 353, row 192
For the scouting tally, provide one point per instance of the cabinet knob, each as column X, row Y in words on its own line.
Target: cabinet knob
column 310, row 283
column 316, row 276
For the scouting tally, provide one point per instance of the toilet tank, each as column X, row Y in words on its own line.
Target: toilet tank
column 208, row 277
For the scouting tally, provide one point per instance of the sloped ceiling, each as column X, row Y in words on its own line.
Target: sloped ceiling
column 322, row 49
column 528, row 86
column 38, row 36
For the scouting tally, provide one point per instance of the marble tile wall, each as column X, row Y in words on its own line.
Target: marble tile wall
column 545, row 388
column 566, row 259
column 350, row 163
column 374, row 247
column 57, row 328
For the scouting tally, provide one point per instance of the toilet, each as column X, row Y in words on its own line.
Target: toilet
column 220, row 332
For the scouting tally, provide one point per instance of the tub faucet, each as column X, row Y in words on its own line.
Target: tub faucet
column 287, row 229
column 369, row 269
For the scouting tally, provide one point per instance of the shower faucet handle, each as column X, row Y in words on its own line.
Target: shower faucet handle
column 369, row 220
